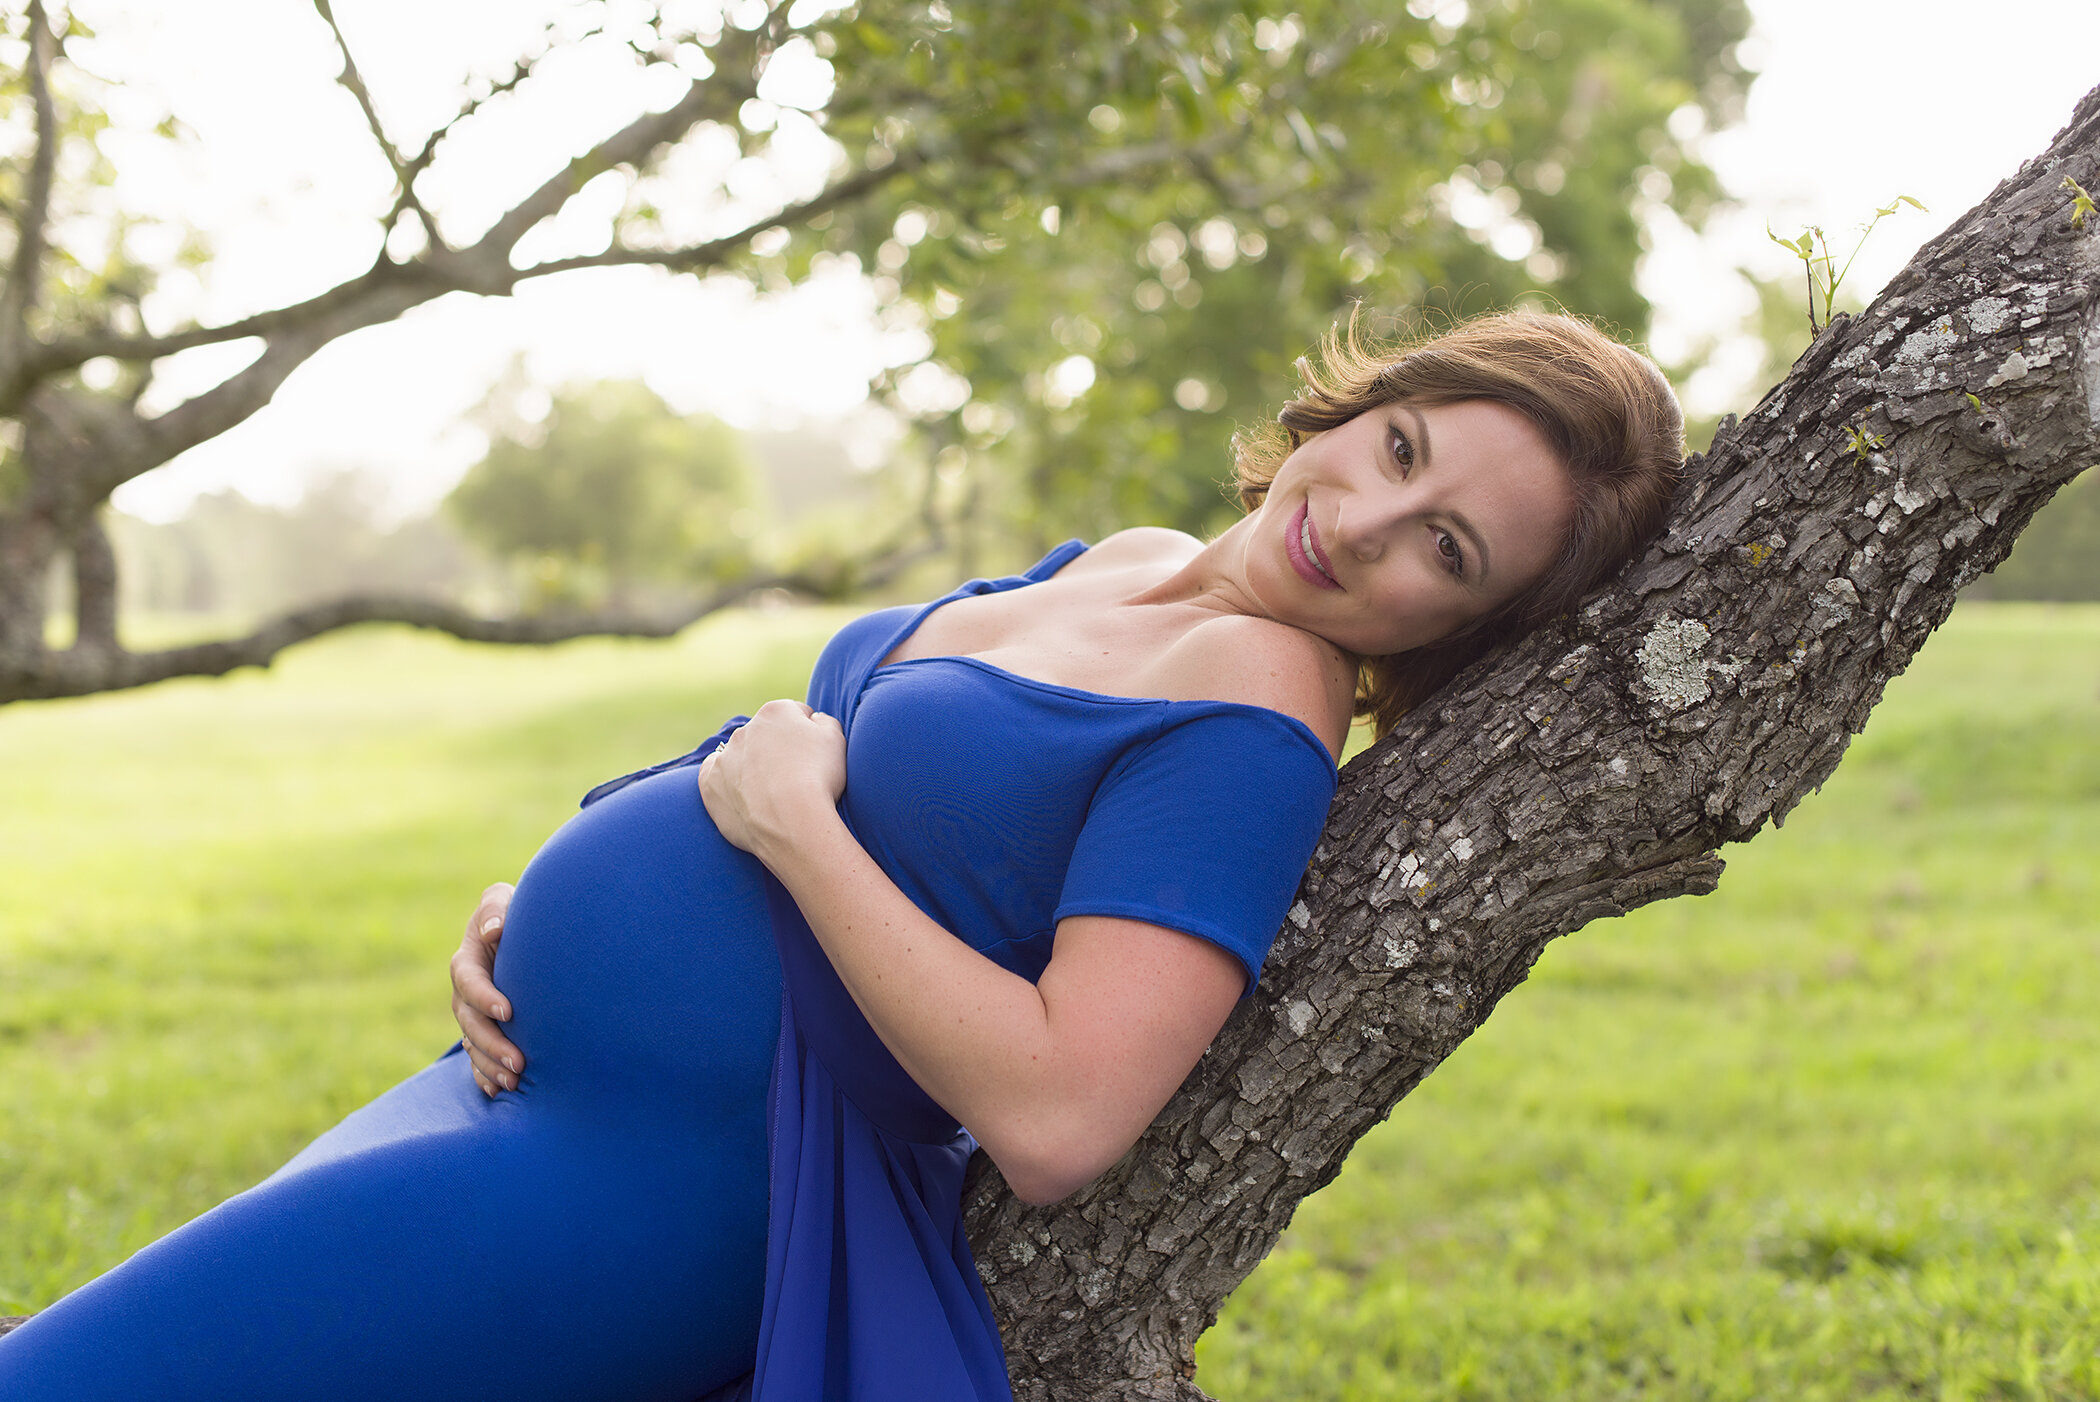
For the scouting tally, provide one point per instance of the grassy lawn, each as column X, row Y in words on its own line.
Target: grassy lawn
column 1831, row 1132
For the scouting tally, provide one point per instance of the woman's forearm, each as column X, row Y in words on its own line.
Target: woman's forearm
column 1056, row 1078
column 976, row 1038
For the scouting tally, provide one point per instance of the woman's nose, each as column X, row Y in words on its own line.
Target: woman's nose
column 1365, row 522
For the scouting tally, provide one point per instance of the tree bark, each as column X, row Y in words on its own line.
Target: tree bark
column 1593, row 767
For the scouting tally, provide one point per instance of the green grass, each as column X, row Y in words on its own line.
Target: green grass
column 1829, row 1133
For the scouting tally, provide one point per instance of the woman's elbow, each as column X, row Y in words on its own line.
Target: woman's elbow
column 1042, row 1169
column 1040, row 1186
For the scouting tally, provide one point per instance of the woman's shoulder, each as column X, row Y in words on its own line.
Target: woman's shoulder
column 1140, row 545
column 1260, row 662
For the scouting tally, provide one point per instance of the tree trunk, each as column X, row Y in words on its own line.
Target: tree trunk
column 1593, row 767
column 94, row 588
column 28, row 545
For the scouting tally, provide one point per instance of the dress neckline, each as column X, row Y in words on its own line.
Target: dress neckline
column 1042, row 570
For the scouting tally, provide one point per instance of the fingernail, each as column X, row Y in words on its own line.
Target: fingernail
column 509, row 1065
column 494, row 922
column 499, row 1012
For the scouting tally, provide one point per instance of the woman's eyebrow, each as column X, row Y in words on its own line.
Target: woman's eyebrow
column 1480, row 546
column 1421, row 433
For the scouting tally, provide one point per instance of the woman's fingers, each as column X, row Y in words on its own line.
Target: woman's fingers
column 477, row 1005
column 495, row 1056
column 486, row 923
column 474, row 967
column 473, row 979
column 759, row 785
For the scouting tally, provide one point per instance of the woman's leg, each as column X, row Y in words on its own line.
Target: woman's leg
column 598, row 1233
column 445, row 1248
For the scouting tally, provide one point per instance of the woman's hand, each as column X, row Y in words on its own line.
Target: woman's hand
column 775, row 776
column 476, row 1004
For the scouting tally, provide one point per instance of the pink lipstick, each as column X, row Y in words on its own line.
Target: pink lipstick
column 1302, row 544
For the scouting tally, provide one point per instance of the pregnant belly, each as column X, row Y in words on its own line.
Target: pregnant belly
column 639, row 960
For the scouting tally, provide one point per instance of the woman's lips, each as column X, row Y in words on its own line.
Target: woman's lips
column 1319, row 551
column 1311, row 568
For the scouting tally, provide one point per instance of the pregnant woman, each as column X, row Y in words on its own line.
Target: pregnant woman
column 998, row 883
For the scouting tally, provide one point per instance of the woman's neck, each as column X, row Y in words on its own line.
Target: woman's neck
column 1214, row 578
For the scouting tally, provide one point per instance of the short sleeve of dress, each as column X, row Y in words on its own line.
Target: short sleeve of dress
column 1206, row 828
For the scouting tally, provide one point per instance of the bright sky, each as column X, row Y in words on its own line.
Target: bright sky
column 1859, row 101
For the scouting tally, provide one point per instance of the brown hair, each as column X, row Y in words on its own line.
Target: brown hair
column 1604, row 408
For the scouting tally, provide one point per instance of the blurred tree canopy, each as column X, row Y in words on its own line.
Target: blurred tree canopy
column 1109, row 323
column 231, row 556
column 610, row 490
column 1113, row 225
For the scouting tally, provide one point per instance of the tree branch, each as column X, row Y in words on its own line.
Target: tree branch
column 1111, row 165
column 717, row 96
column 484, row 268
column 33, row 222
column 354, row 81
column 85, row 671
column 421, row 160
column 293, row 335
column 67, row 352
column 715, row 251
column 433, row 277
column 297, row 331
column 216, row 410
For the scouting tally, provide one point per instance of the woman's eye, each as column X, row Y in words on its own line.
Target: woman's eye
column 1403, row 451
column 1452, row 554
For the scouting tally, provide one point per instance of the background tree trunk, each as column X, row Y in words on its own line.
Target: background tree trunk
column 1593, row 767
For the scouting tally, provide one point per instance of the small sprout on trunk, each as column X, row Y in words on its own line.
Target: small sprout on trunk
column 1861, row 441
column 1824, row 274
column 2081, row 202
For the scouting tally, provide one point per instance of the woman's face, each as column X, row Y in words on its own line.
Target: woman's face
column 1405, row 524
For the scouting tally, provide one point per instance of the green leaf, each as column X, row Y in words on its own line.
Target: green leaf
column 1788, row 244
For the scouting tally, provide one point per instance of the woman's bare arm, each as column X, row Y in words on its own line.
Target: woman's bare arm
column 1056, row 1078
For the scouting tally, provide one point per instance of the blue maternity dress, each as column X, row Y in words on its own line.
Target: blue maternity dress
column 617, row 1227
